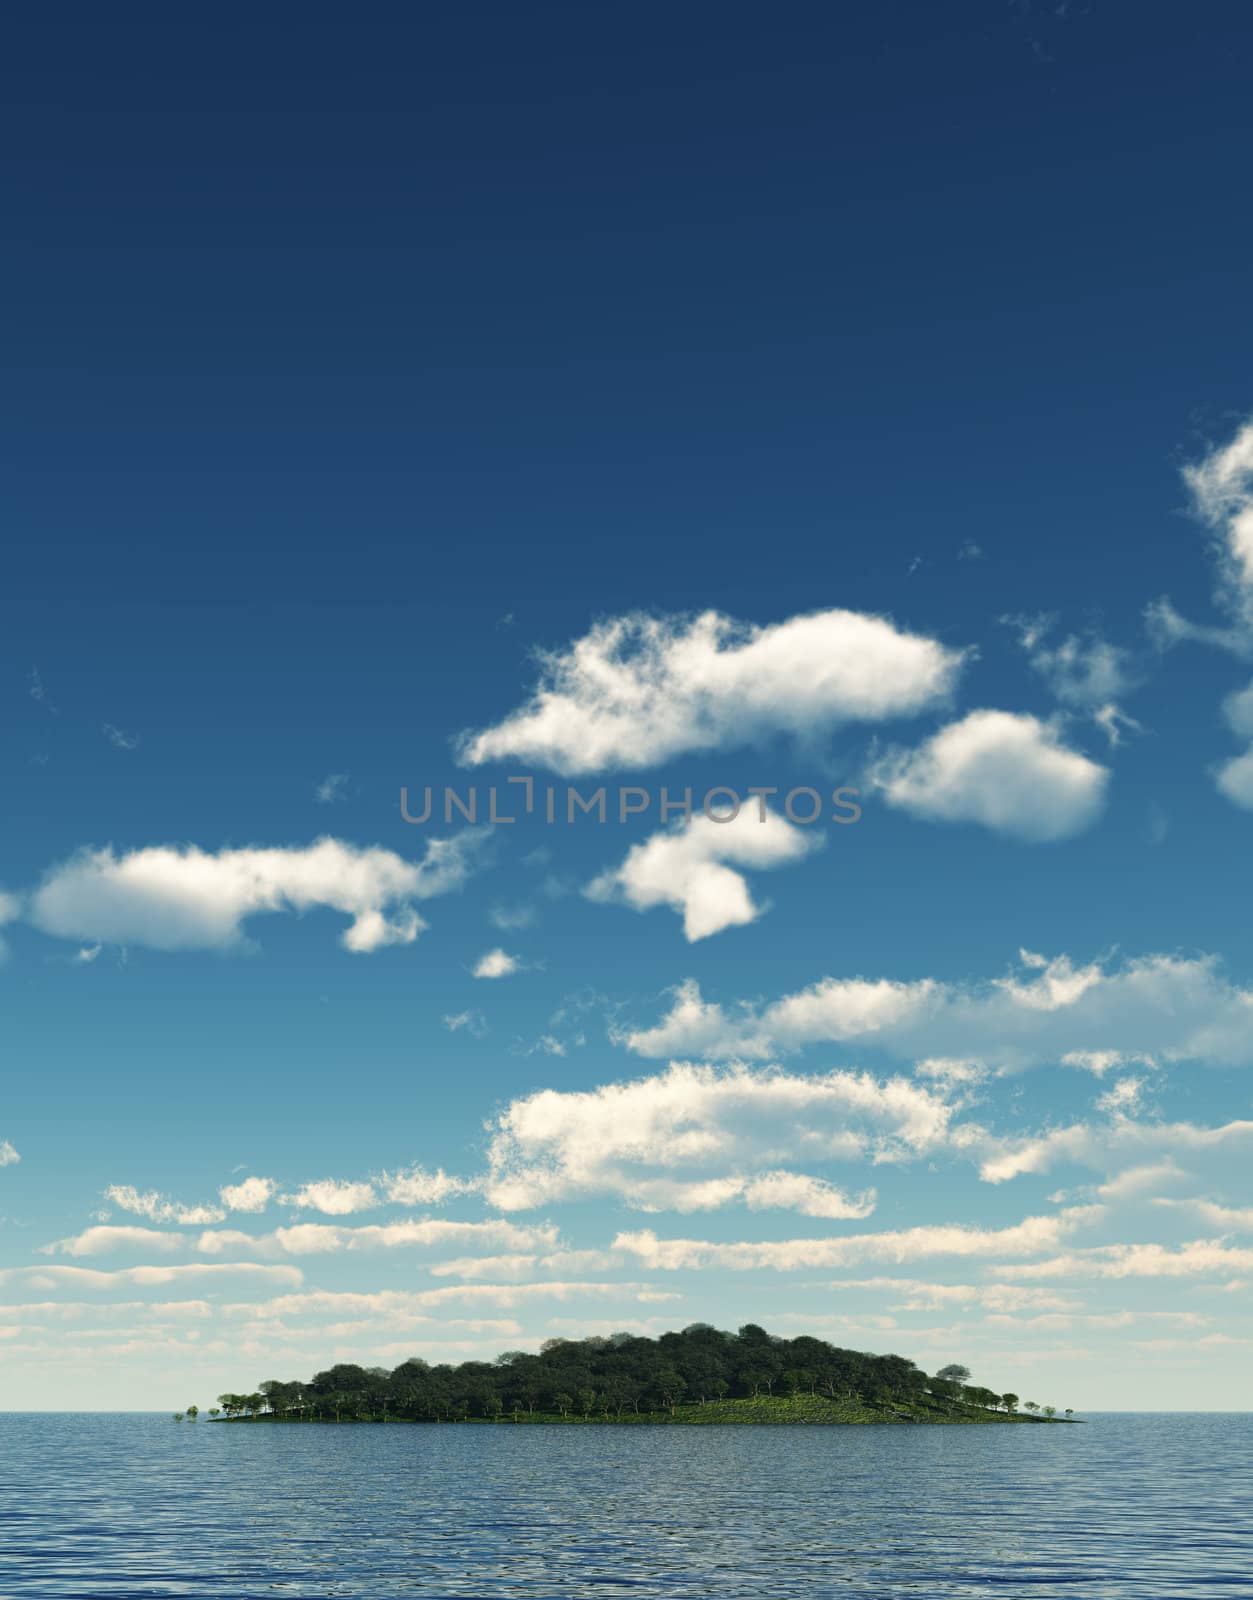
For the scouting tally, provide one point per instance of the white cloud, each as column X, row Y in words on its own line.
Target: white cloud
column 1238, row 710
column 685, row 868
column 250, row 1195
column 1196, row 1258
column 1027, row 1238
column 8, row 1155
column 1170, row 1008
column 320, row 1238
column 10, row 911
column 510, row 918
column 1005, row 771
column 697, row 1138
column 922, row 1296
column 1108, row 1145
column 637, row 690
column 333, row 1197
column 496, row 964
column 331, row 789
column 183, row 898
column 1086, row 675
column 94, row 1278
column 104, row 1239
column 385, row 1301
column 417, row 1187
column 1222, row 494
column 474, row 1022
column 158, row 1209
column 1235, row 780
column 1134, row 1183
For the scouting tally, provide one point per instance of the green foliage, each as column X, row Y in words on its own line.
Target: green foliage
column 699, row 1375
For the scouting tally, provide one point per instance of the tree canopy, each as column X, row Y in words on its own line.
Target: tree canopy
column 610, row 1376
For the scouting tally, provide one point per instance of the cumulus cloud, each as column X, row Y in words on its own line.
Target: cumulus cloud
column 415, row 1186
column 250, row 1195
column 697, row 1138
column 1235, row 780
column 638, row 690
column 157, row 1208
column 1030, row 1237
column 183, row 898
column 8, row 1155
column 496, row 964
column 1157, row 1007
column 333, row 1197
column 104, row 1239
column 1005, row 771
column 342, row 1197
column 686, row 868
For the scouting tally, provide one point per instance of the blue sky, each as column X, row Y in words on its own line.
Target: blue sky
column 833, row 398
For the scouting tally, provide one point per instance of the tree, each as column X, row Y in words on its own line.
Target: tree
column 608, row 1376
column 669, row 1384
column 1050, row 1412
column 1069, row 1411
column 192, row 1413
column 178, row 1416
column 1010, row 1402
column 213, row 1412
column 1031, row 1406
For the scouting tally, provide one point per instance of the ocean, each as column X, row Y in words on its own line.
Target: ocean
column 1135, row 1506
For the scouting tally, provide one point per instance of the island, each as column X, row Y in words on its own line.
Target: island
column 697, row 1376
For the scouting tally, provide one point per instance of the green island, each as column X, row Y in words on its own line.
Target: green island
column 700, row 1375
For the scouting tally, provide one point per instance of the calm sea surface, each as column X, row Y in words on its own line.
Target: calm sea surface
column 117, row 1505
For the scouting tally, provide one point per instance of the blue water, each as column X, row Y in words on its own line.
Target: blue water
column 1140, row 1506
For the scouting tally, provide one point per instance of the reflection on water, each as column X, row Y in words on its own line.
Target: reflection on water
column 117, row 1505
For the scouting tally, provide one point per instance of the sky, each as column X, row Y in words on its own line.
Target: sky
column 819, row 400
